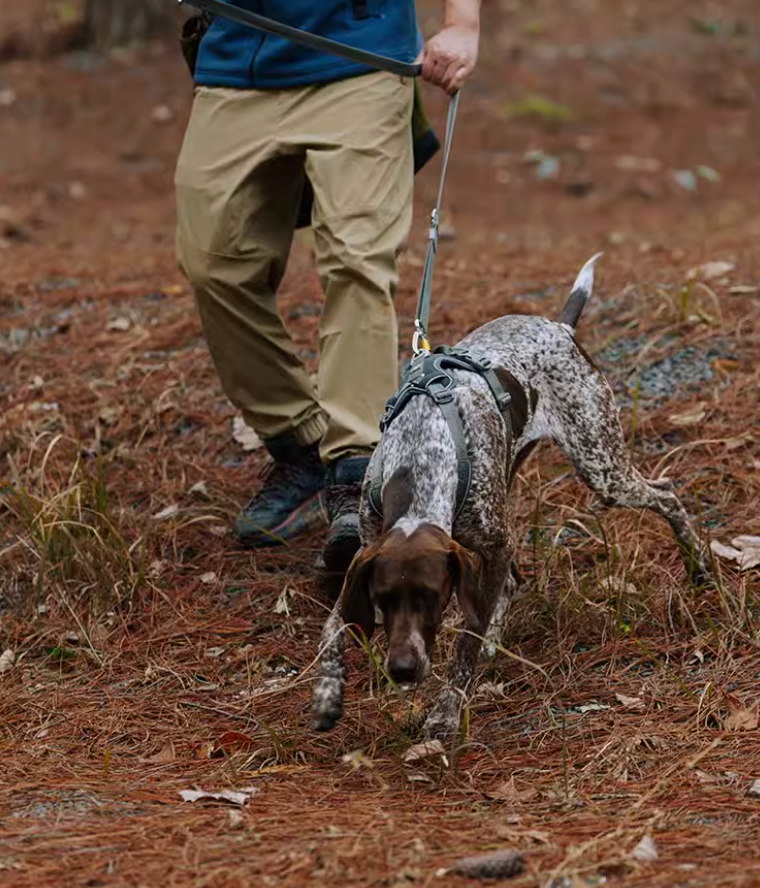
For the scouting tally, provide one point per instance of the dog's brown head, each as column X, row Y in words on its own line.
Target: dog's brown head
column 411, row 578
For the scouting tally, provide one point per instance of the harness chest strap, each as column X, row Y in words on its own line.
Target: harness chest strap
column 430, row 375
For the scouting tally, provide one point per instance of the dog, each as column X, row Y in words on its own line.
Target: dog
column 427, row 546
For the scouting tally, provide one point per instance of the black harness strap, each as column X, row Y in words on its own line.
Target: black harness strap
column 430, row 375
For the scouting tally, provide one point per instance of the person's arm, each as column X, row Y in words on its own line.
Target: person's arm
column 449, row 58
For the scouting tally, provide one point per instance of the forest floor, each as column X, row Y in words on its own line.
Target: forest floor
column 615, row 740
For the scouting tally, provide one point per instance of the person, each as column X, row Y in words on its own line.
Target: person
column 271, row 121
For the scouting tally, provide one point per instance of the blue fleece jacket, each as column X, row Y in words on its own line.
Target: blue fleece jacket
column 238, row 56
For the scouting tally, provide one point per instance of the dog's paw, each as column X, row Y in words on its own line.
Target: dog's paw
column 327, row 704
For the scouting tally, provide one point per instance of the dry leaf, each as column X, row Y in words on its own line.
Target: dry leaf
column 645, row 850
column 725, row 551
column 745, row 550
column 168, row 512
column 235, row 819
column 630, row 702
column 618, row 586
column 740, row 717
column 200, row 489
column 245, row 435
column 281, row 606
column 591, row 707
column 232, row 741
column 109, row 415
column 738, row 441
column 710, row 270
column 693, row 416
column 7, row 659
column 162, row 757
column 509, row 792
column 234, row 796
column 744, row 290
column 424, row 750
column 755, row 788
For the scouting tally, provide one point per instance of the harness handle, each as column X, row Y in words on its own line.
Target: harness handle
column 420, row 341
column 305, row 38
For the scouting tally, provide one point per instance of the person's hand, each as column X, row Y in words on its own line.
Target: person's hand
column 448, row 58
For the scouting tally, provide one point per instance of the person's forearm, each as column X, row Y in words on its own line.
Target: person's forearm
column 462, row 14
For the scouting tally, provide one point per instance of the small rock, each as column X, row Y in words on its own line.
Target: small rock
column 77, row 191
column 497, row 865
column 120, row 324
column 646, row 850
column 209, row 578
column 754, row 790
column 708, row 174
column 630, row 164
column 548, row 168
column 162, row 114
column 686, row 179
column 580, row 187
column 7, row 97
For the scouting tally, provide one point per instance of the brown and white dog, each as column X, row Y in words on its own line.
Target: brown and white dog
column 422, row 551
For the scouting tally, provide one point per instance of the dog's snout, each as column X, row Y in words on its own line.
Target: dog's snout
column 402, row 667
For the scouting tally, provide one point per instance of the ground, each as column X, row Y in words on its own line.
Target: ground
column 146, row 655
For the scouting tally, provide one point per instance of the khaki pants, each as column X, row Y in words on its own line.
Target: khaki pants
column 239, row 180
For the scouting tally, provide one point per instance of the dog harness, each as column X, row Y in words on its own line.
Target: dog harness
column 431, row 375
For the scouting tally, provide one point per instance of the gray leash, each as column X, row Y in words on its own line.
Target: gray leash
column 420, row 342
column 305, row 38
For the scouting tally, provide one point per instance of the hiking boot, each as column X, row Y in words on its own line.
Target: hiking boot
column 342, row 495
column 290, row 501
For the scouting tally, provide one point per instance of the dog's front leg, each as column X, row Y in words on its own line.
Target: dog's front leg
column 497, row 583
column 327, row 697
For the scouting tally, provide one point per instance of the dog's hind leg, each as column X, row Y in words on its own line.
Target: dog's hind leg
column 593, row 439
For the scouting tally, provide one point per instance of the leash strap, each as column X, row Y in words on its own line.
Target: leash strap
column 420, row 342
column 305, row 38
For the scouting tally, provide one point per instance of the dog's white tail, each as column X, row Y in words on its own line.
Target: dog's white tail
column 579, row 295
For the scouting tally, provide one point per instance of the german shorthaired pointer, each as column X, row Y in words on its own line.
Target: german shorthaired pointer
column 428, row 546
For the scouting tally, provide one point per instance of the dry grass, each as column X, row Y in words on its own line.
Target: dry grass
column 151, row 656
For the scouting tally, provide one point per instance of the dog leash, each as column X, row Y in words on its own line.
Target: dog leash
column 420, row 339
column 305, row 38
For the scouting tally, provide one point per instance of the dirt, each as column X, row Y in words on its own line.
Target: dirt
column 151, row 656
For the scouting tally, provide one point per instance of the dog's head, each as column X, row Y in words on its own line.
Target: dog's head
column 410, row 578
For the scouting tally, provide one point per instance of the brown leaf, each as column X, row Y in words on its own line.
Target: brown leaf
column 630, row 702
column 424, row 750
column 165, row 755
column 740, row 717
column 693, row 416
column 232, row 741
column 509, row 792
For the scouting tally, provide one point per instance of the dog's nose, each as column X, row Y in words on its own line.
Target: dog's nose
column 403, row 668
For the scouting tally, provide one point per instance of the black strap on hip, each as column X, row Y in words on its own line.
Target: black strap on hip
column 431, row 375
column 305, row 38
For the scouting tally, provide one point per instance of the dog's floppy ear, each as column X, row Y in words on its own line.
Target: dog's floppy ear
column 356, row 605
column 464, row 568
